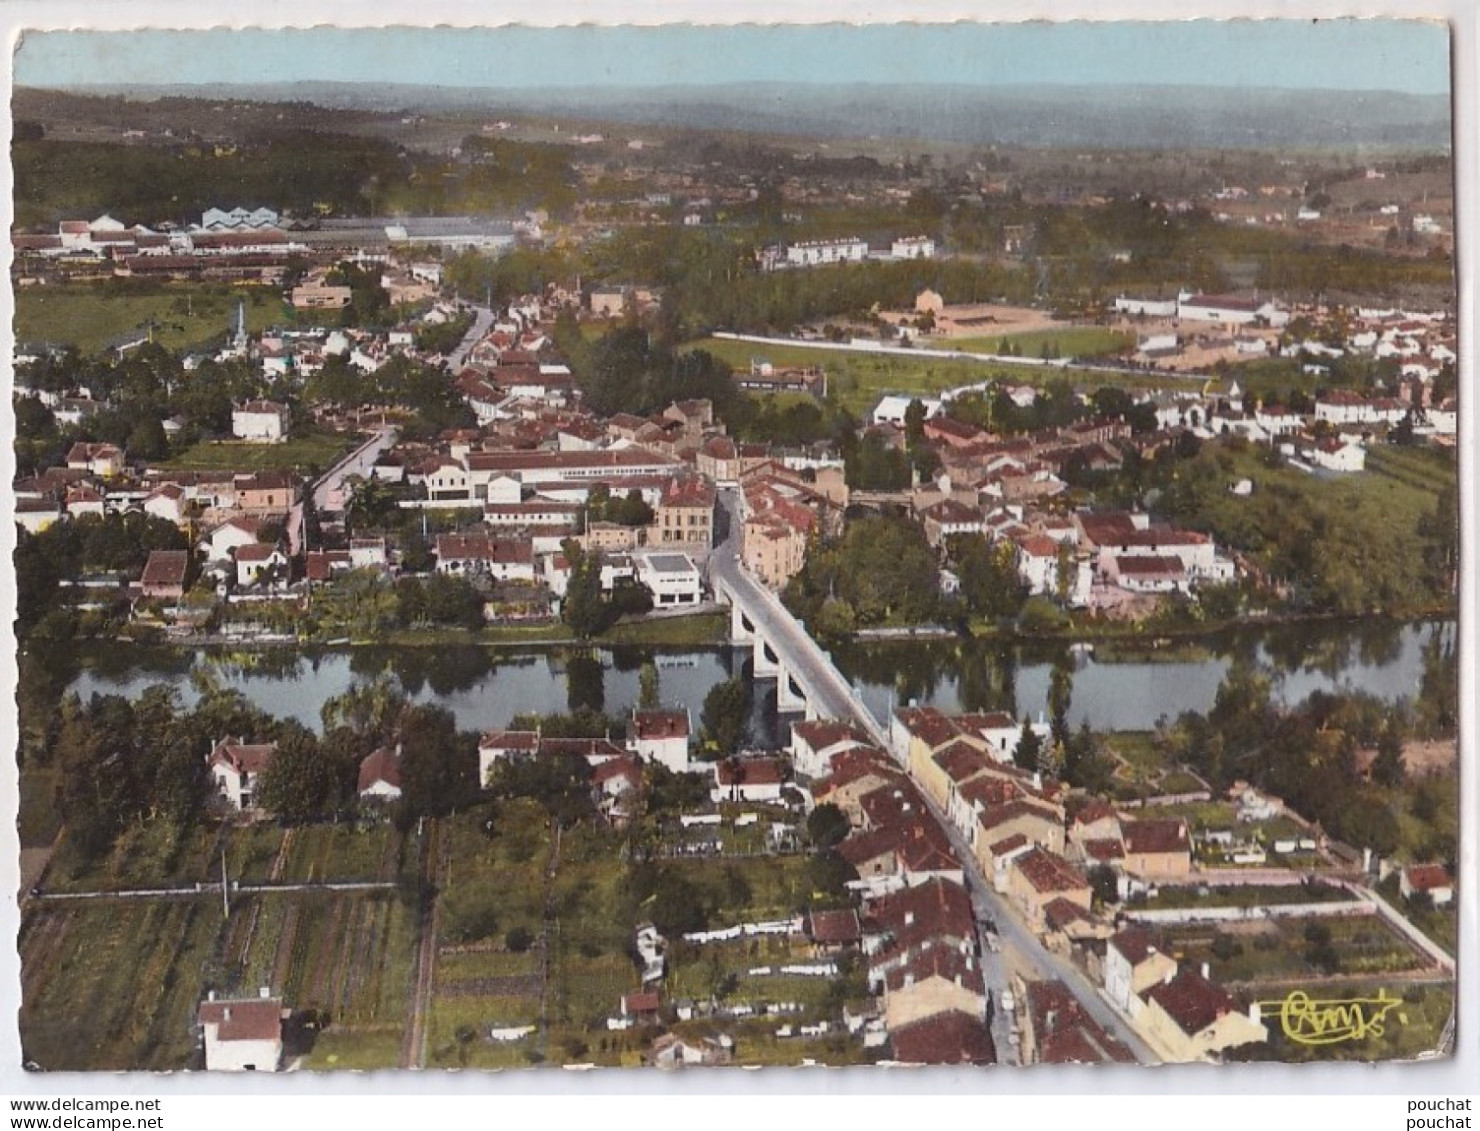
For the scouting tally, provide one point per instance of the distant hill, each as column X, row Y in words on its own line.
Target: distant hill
column 1119, row 117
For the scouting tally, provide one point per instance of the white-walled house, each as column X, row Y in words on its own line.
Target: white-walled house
column 816, row 742
column 748, row 779
column 242, row 1034
column 253, row 561
column 661, row 736
column 263, row 422
column 235, row 768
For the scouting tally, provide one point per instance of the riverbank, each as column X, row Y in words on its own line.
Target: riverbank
column 702, row 629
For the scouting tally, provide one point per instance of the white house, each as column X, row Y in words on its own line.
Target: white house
column 253, row 561
column 166, row 501
column 261, row 422
column 380, row 775
column 892, row 407
column 1146, row 307
column 661, row 736
column 495, row 746
column 748, row 779
column 1336, row 454
column 673, row 579
column 231, row 535
column 816, row 742
column 242, row 1034
column 235, row 768
column 1427, row 879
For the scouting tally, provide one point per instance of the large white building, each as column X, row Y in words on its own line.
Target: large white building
column 819, row 252
column 912, row 247
column 673, row 579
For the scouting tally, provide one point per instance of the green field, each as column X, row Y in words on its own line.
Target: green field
column 1070, row 341
column 111, row 986
column 1276, row 950
column 94, row 318
column 857, row 380
column 315, row 452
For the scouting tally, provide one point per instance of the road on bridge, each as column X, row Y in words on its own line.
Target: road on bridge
column 830, row 694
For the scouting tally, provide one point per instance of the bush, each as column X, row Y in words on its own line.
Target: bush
column 519, row 939
column 1226, row 947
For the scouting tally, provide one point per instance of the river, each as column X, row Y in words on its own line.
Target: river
column 485, row 688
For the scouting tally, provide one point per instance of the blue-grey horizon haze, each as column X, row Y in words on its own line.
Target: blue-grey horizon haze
column 1402, row 56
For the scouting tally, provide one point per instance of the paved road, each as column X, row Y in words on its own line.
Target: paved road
column 326, row 492
column 1023, row 944
column 482, row 322
column 833, row 697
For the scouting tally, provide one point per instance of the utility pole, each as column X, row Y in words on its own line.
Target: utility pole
column 225, row 888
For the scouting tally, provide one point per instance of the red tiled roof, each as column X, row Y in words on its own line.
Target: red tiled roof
column 659, row 725
column 928, row 725
column 1065, row 1033
column 1191, row 1000
column 1427, row 877
column 526, row 740
column 821, row 734
column 244, row 759
column 750, row 771
column 384, row 765
column 1136, row 944
column 944, row 1038
column 834, row 927
column 960, row 760
column 1156, row 836
column 254, row 1019
column 166, row 567
column 1046, row 872
column 937, row 962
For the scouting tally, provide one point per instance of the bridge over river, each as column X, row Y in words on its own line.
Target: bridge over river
column 807, row 681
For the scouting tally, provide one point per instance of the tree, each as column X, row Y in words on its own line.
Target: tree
column 297, row 781
column 1387, row 767
column 726, row 715
column 439, row 766
column 583, row 608
column 827, row 826
column 1029, row 748
column 647, row 687
column 1060, row 692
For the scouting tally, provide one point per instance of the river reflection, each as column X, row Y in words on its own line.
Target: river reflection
column 485, row 688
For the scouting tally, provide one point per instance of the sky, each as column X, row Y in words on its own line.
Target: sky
column 1403, row 56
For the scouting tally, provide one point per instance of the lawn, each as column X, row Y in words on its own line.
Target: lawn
column 700, row 629
column 1412, row 1028
column 307, row 454
column 1069, row 341
column 93, row 318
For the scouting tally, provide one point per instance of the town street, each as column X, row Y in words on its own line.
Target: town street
column 834, row 698
column 482, row 321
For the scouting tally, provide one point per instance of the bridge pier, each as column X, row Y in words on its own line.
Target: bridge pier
column 742, row 631
column 765, row 662
column 790, row 698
